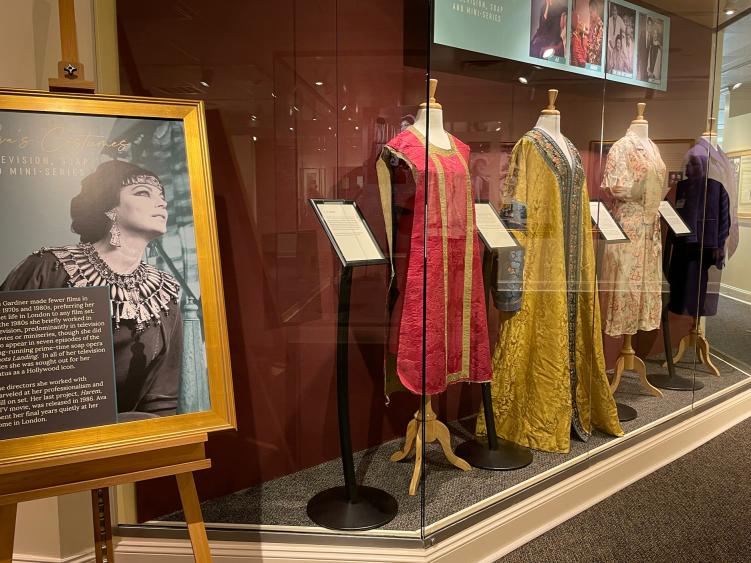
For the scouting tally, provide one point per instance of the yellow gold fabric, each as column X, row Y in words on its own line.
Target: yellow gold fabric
column 553, row 345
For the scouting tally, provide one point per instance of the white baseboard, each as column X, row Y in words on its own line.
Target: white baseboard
column 497, row 535
column 742, row 295
column 84, row 557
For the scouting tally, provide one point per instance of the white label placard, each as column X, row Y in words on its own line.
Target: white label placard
column 349, row 232
column 492, row 230
column 607, row 225
column 674, row 221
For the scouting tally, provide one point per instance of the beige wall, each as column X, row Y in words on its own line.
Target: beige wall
column 737, row 135
column 30, row 42
column 737, row 273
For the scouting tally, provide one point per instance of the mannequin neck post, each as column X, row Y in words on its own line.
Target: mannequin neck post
column 640, row 129
column 429, row 122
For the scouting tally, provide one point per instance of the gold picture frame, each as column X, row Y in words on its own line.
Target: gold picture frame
column 47, row 448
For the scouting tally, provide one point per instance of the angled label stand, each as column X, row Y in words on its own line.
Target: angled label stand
column 610, row 230
column 497, row 454
column 348, row 232
column 674, row 221
column 351, row 507
column 672, row 381
column 491, row 228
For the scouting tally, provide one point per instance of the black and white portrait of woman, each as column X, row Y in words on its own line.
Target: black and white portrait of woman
column 110, row 283
column 120, row 209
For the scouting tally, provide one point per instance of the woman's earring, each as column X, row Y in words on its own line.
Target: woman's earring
column 114, row 229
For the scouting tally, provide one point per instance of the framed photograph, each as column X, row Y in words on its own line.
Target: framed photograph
column 312, row 186
column 650, row 48
column 587, row 34
column 621, row 40
column 488, row 167
column 548, row 30
column 674, row 177
column 113, row 194
column 741, row 161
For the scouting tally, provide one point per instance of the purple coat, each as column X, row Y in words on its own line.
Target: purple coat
column 704, row 205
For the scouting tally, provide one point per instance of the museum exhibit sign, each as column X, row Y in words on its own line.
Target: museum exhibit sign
column 112, row 320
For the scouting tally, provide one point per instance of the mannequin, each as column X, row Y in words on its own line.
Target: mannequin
column 696, row 339
column 627, row 359
column 550, row 122
column 429, row 120
column 539, row 372
column 453, row 357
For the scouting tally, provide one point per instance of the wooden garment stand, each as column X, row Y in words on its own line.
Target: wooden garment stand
column 426, row 429
column 70, row 71
column 94, row 471
column 628, row 360
column 698, row 341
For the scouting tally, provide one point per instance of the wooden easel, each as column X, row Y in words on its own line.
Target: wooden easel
column 95, row 470
column 432, row 430
column 70, row 71
column 628, row 360
column 698, row 341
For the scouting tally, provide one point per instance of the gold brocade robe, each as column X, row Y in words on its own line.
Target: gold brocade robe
column 548, row 365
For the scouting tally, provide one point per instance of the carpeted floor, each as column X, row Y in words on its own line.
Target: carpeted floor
column 729, row 332
column 282, row 502
column 692, row 510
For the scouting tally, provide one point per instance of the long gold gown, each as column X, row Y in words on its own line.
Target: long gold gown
column 548, row 365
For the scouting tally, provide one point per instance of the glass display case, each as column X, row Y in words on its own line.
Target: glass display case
column 559, row 190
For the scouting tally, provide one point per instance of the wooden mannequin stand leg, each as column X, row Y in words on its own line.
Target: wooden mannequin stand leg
column 628, row 360
column 698, row 341
column 434, row 430
column 671, row 380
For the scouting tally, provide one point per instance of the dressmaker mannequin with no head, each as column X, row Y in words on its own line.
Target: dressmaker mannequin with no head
column 696, row 338
column 628, row 360
column 426, row 427
column 550, row 122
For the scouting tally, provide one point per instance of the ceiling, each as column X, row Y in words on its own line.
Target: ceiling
column 736, row 53
column 709, row 13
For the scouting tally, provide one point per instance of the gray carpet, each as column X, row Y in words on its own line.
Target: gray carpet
column 282, row 501
column 694, row 509
column 729, row 332
column 448, row 490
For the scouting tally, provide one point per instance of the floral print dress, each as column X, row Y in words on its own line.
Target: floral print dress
column 635, row 177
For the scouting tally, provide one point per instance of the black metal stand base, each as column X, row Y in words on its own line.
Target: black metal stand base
column 506, row 457
column 625, row 412
column 332, row 509
column 675, row 383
